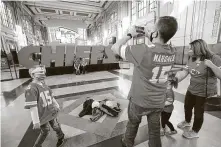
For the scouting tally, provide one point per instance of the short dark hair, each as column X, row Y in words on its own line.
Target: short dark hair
column 167, row 27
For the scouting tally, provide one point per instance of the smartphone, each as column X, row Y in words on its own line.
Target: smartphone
column 140, row 31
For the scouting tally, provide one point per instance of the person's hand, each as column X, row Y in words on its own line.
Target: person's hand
column 36, row 126
column 167, row 103
column 133, row 31
column 208, row 63
column 147, row 31
column 58, row 107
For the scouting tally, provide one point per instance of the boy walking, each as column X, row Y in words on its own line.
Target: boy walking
column 43, row 107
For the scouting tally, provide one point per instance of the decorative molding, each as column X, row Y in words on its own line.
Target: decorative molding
column 65, row 6
column 216, row 23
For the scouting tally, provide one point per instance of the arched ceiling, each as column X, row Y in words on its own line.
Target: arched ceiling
column 83, row 10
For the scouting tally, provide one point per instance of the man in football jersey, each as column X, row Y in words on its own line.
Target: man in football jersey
column 149, row 83
column 43, row 107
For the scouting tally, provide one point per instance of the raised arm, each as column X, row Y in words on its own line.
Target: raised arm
column 181, row 75
column 116, row 48
column 120, row 46
column 215, row 65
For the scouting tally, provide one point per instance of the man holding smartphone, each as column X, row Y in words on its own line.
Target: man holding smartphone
column 148, row 88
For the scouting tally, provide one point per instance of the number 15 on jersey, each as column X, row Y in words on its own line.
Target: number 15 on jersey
column 160, row 74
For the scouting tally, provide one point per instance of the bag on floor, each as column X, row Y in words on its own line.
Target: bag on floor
column 87, row 108
column 213, row 104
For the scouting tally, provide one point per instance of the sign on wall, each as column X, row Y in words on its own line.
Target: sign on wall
column 64, row 55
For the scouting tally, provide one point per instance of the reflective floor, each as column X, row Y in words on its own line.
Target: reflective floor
column 71, row 91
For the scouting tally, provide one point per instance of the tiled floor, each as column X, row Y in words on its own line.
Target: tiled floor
column 10, row 85
column 71, row 91
column 7, row 74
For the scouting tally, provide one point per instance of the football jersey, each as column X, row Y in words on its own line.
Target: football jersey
column 41, row 96
column 151, row 66
column 199, row 76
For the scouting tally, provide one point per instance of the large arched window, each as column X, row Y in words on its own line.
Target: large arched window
column 142, row 8
column 6, row 16
column 112, row 23
column 65, row 35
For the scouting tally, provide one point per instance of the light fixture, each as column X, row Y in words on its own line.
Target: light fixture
column 95, row 39
column 105, row 37
column 105, row 34
column 89, row 42
column 126, row 23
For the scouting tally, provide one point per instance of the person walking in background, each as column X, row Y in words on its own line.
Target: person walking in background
column 204, row 68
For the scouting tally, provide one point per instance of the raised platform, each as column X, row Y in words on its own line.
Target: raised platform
column 23, row 73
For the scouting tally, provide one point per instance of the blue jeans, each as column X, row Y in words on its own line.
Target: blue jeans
column 135, row 114
column 45, row 128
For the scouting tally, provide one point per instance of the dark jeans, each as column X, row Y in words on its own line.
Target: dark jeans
column 165, row 116
column 45, row 128
column 135, row 114
column 83, row 69
column 78, row 72
column 196, row 102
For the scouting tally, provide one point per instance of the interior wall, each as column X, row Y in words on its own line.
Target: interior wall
column 200, row 19
column 70, row 24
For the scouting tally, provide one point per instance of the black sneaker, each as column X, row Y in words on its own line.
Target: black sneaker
column 60, row 142
column 122, row 142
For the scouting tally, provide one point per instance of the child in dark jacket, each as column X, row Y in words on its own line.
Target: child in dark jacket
column 168, row 109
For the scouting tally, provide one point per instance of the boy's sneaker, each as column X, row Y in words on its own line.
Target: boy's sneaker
column 183, row 124
column 190, row 134
column 60, row 142
column 123, row 143
column 162, row 131
column 171, row 132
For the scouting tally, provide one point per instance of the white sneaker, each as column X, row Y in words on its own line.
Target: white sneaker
column 162, row 131
column 183, row 124
column 190, row 134
column 171, row 132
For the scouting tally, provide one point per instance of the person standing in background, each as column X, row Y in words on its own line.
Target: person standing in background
column 83, row 66
column 77, row 64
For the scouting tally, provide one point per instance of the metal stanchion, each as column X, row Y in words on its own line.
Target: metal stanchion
column 9, row 66
column 14, row 66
